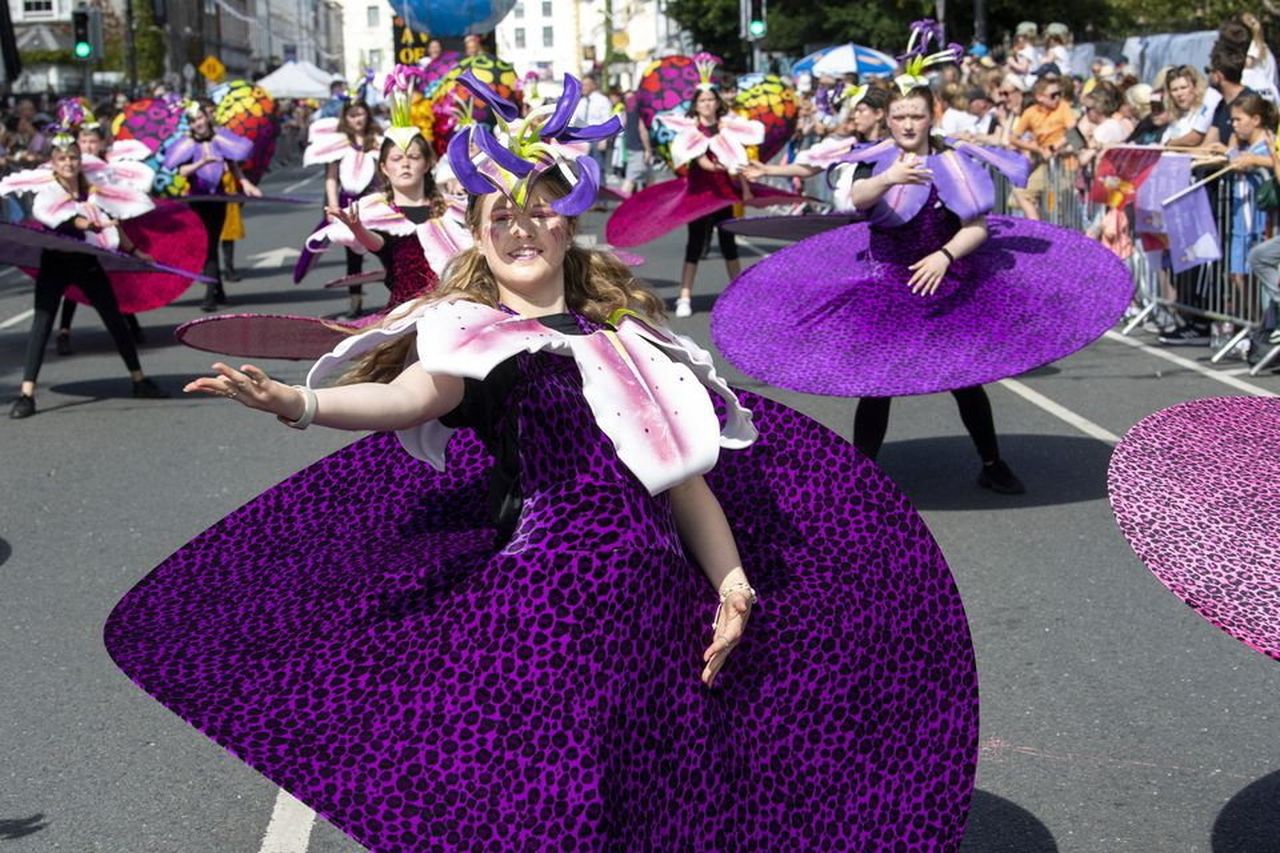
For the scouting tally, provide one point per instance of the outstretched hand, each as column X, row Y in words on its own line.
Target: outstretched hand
column 348, row 216
column 728, row 633
column 250, row 387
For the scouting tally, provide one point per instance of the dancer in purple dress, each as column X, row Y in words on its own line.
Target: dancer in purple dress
column 920, row 299
column 432, row 668
column 202, row 157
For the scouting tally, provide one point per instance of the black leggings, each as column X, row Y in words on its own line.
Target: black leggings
column 872, row 420
column 355, row 266
column 57, row 271
column 69, row 313
column 213, row 214
column 700, row 230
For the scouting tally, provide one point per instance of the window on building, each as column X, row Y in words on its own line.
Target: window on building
column 518, row 10
column 546, row 10
column 548, row 37
column 37, row 8
column 520, row 37
column 375, row 58
column 371, row 16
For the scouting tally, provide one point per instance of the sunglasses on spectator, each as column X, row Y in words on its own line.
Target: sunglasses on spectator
column 1053, row 94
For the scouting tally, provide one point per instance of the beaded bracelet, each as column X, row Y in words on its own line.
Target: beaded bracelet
column 309, row 406
column 740, row 586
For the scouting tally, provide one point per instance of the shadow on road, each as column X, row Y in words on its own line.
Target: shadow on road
column 6, row 550
column 1250, row 821
column 118, row 387
column 999, row 826
column 12, row 829
column 942, row 473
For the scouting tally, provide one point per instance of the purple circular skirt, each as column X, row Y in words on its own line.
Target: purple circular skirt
column 821, row 318
column 353, row 634
column 1196, row 490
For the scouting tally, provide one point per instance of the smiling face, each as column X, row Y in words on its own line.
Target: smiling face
column 66, row 165
column 524, row 247
column 201, row 124
column 405, row 170
column 910, row 122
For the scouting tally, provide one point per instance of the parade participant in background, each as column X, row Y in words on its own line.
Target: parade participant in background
column 536, row 669
column 94, row 146
column 348, row 146
column 70, row 203
column 920, row 300
column 710, row 142
column 202, row 157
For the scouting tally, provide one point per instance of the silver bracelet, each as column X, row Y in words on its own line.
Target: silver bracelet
column 741, row 586
column 309, row 407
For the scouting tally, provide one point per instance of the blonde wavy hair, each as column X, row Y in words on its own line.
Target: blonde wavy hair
column 596, row 284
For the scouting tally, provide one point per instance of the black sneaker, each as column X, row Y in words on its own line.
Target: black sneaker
column 63, row 345
column 23, row 407
column 230, row 274
column 998, row 478
column 1186, row 336
column 148, row 390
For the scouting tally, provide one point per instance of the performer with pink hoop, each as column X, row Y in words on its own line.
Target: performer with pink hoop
column 70, row 202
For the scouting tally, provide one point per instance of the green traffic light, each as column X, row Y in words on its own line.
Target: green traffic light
column 83, row 50
column 757, row 29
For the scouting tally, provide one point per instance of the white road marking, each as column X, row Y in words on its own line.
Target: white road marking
column 274, row 257
column 1217, row 375
column 297, row 185
column 1060, row 411
column 18, row 318
column 290, row 828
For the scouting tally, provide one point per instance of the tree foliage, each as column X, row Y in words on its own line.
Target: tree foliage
column 797, row 25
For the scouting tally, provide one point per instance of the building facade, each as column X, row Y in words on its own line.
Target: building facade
column 368, row 42
column 558, row 37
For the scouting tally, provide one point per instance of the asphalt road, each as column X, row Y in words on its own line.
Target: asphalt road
column 1113, row 718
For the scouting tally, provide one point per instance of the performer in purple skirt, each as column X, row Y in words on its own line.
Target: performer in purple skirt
column 928, row 295
column 202, row 157
column 431, row 668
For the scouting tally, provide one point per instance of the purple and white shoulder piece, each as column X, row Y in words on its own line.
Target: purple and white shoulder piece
column 646, row 387
column 960, row 175
column 231, row 146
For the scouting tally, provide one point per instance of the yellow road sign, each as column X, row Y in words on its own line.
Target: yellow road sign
column 213, row 69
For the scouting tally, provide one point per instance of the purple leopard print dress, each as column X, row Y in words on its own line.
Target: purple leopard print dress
column 356, row 634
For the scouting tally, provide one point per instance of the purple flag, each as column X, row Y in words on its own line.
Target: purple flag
column 1187, row 223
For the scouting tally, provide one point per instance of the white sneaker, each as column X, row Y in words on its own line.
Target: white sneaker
column 684, row 307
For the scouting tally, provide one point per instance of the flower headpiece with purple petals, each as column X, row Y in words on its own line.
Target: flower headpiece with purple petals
column 398, row 89
column 74, row 115
column 509, row 158
column 917, row 58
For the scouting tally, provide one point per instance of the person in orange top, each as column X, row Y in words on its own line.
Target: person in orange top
column 1041, row 131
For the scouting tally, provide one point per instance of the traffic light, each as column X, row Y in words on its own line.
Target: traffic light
column 81, row 40
column 757, row 27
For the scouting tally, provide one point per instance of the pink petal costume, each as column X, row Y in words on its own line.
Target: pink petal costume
column 500, row 648
column 102, row 197
column 1194, row 491
column 357, row 169
column 655, row 210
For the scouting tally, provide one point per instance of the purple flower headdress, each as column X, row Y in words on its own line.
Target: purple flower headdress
column 74, row 115
column 917, row 58
column 509, row 158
